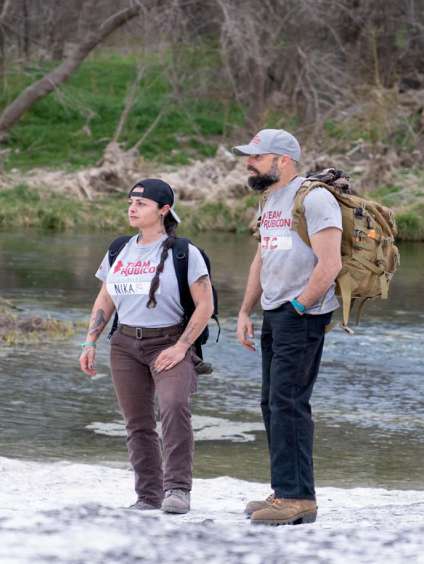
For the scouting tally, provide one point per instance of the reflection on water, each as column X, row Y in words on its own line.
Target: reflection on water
column 368, row 400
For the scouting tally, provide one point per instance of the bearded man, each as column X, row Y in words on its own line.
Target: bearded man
column 296, row 285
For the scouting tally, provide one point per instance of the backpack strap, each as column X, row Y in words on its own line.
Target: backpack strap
column 114, row 249
column 298, row 213
column 180, row 256
column 180, row 252
column 344, row 284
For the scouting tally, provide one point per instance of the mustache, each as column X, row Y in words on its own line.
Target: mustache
column 253, row 169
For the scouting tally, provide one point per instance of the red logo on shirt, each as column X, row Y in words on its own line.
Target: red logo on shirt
column 118, row 266
column 134, row 268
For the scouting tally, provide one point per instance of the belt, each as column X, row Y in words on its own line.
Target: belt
column 146, row 332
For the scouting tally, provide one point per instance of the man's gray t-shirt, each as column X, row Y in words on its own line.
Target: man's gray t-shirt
column 128, row 283
column 287, row 262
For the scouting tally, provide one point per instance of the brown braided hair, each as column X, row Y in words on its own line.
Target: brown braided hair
column 170, row 225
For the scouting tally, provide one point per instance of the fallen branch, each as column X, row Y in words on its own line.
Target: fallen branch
column 53, row 79
column 129, row 102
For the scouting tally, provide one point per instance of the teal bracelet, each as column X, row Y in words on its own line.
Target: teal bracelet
column 86, row 344
column 298, row 306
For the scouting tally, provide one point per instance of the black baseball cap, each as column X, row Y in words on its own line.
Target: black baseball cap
column 156, row 190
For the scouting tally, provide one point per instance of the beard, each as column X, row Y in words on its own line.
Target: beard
column 260, row 182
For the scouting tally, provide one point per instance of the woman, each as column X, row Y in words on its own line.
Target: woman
column 151, row 350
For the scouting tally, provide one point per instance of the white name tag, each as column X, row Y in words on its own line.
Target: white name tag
column 280, row 243
column 130, row 288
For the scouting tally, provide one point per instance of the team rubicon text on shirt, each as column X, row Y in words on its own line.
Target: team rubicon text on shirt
column 129, row 278
column 274, row 219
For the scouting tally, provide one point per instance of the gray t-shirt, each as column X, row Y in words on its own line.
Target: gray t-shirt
column 128, row 283
column 287, row 262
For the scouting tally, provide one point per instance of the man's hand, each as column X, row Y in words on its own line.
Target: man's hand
column 170, row 357
column 88, row 361
column 245, row 331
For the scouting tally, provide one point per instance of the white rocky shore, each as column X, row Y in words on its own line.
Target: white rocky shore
column 75, row 513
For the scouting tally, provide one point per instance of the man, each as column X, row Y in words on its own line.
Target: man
column 296, row 285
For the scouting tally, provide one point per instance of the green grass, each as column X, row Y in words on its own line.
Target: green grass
column 389, row 196
column 22, row 207
column 410, row 223
column 71, row 127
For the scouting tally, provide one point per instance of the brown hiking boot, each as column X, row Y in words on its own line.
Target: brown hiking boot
column 286, row 512
column 253, row 506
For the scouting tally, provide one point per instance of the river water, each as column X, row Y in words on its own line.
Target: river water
column 368, row 401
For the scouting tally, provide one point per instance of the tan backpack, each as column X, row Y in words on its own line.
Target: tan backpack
column 369, row 254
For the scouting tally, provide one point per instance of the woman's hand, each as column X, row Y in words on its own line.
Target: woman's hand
column 88, row 361
column 170, row 357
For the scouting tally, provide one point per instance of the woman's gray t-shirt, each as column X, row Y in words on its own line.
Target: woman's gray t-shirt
column 287, row 262
column 128, row 283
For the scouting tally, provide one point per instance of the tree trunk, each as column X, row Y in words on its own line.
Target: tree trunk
column 3, row 16
column 26, row 34
column 53, row 79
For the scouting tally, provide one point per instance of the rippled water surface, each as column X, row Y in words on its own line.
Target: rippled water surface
column 368, row 401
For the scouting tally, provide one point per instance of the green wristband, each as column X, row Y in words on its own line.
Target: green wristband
column 88, row 344
column 300, row 308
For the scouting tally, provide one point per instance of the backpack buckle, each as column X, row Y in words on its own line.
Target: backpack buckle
column 138, row 333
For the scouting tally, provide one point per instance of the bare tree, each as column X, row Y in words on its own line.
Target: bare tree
column 3, row 16
column 89, row 36
column 309, row 60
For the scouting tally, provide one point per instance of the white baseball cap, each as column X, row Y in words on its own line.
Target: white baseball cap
column 271, row 141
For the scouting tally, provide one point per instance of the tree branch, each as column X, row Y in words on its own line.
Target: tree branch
column 50, row 81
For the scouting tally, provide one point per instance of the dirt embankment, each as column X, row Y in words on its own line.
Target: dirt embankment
column 221, row 178
column 371, row 165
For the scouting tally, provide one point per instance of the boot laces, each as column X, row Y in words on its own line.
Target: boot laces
column 182, row 494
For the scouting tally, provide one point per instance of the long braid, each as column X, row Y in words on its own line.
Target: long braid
column 171, row 230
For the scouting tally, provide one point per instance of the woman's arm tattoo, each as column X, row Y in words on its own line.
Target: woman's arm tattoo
column 203, row 282
column 186, row 337
column 192, row 330
column 97, row 323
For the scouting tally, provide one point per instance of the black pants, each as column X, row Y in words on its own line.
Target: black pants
column 291, row 354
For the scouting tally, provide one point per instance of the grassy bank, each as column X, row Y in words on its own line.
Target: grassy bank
column 406, row 197
column 23, row 208
column 411, row 223
column 71, row 127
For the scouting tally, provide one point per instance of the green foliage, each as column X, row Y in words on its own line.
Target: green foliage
column 71, row 126
column 22, row 207
column 389, row 196
column 411, row 223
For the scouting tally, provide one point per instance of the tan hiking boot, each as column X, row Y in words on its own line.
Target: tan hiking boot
column 253, row 506
column 286, row 512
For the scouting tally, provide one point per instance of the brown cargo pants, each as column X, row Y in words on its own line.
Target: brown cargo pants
column 136, row 383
